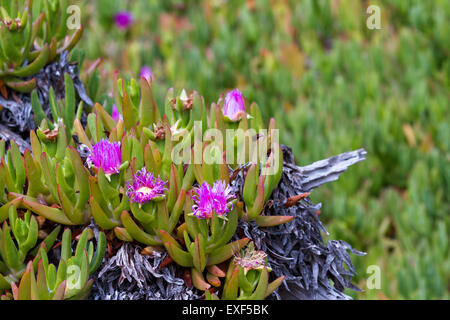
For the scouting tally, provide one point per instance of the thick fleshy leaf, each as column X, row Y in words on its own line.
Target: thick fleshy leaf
column 148, row 110
column 66, row 245
column 122, row 234
column 244, row 284
column 230, row 290
column 73, row 214
column 258, row 205
column 96, row 261
column 174, row 186
column 82, row 243
column 38, row 111
column 4, row 284
column 68, row 45
column 108, row 121
column 261, row 288
column 102, row 219
column 198, row 280
column 274, row 285
column 229, row 230
column 81, row 133
column 189, row 177
column 4, row 210
column 215, row 270
column 180, row 256
column 145, row 217
column 8, row 249
column 49, row 174
column 24, row 86
column 41, row 284
column 35, row 66
column 33, row 173
column 176, row 211
column 32, row 237
column 166, row 237
column 213, row 279
column 128, row 112
column 226, row 252
column 69, row 99
column 198, row 254
column 137, row 233
column 23, row 292
column 271, row 221
column 15, row 163
column 275, row 163
column 250, row 185
column 53, row 214
column 60, row 291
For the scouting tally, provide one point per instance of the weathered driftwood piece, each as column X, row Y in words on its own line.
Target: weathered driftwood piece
column 129, row 275
column 296, row 249
column 323, row 171
column 7, row 135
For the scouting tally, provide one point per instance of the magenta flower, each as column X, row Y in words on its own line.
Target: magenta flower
column 123, row 19
column 106, row 155
column 208, row 200
column 222, row 194
column 145, row 187
column 147, row 73
column 115, row 113
column 234, row 107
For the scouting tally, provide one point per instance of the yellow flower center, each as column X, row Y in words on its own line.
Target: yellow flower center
column 145, row 190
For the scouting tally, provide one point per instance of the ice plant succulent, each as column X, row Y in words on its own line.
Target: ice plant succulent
column 107, row 156
column 146, row 187
column 234, row 107
column 30, row 41
column 253, row 285
column 209, row 200
column 70, row 280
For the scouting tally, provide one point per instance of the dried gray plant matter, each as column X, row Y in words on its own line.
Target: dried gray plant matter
column 129, row 275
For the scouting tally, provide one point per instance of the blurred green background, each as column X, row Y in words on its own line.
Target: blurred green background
column 333, row 85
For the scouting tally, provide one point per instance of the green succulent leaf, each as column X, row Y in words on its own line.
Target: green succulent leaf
column 224, row 253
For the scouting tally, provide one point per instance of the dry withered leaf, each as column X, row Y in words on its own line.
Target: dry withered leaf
column 51, row 134
column 293, row 200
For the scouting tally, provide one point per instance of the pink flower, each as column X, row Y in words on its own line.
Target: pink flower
column 145, row 187
column 147, row 73
column 123, row 19
column 106, row 155
column 208, row 200
column 222, row 194
column 234, row 107
column 115, row 113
